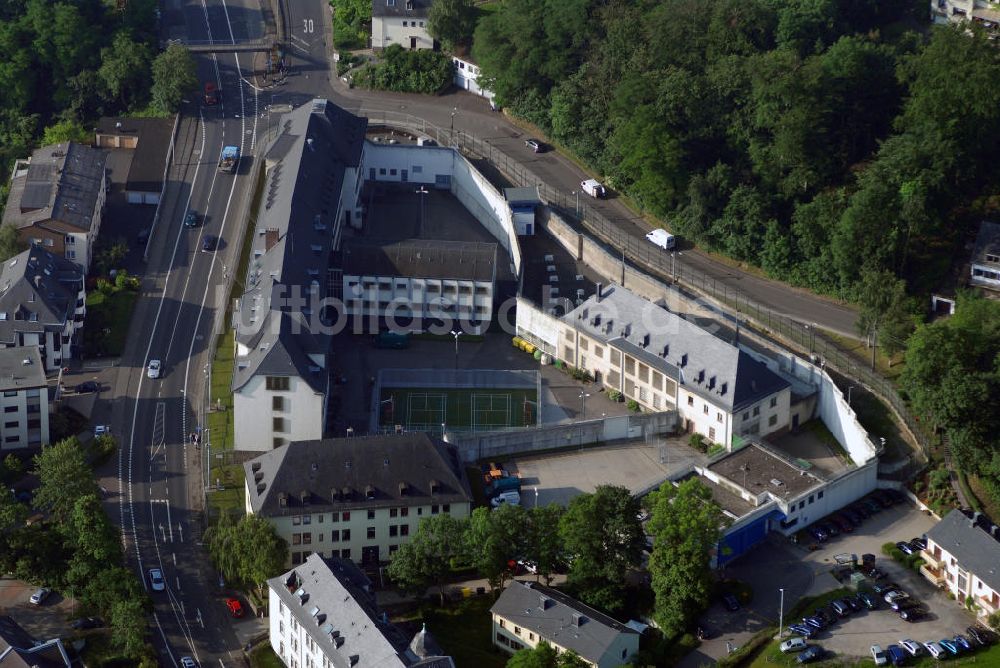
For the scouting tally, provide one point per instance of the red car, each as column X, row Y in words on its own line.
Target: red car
column 235, row 607
column 211, row 94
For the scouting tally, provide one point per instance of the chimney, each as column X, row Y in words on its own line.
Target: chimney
column 684, row 359
column 270, row 238
column 578, row 619
column 666, row 350
column 38, row 280
column 645, row 339
column 304, row 497
column 310, row 144
column 600, row 286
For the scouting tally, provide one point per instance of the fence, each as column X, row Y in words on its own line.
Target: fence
column 637, row 251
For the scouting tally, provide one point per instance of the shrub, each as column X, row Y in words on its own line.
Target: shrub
column 716, row 449
column 615, row 395
column 104, row 286
column 403, row 71
column 697, row 441
column 633, row 406
column 887, row 549
column 994, row 620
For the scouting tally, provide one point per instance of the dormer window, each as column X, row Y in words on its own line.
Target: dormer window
column 409, row 5
column 390, row 3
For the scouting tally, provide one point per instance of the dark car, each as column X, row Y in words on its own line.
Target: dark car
column 905, row 547
column 818, row 533
column 88, row 386
column 912, row 614
column 87, row 623
column 208, row 243
column 842, row 523
column 883, row 499
column 191, row 219
column 862, row 510
column 919, row 543
column 854, row 602
column 981, row 635
column 963, row 642
column 814, row 653
column 803, row 630
column 870, row 600
column 896, row 655
column 872, row 505
column 731, row 602
column 905, row 604
column 535, row 145
column 873, row 573
column 842, row 608
column 825, row 614
column 814, row 622
column 854, row 516
column 830, row 528
column 895, row 495
column 882, row 588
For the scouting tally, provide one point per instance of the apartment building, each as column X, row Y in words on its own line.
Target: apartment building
column 528, row 613
column 24, row 400
column 20, row 649
column 983, row 12
column 311, row 187
column 356, row 498
column 57, row 199
column 323, row 614
column 42, row 305
column 963, row 557
column 666, row 362
column 402, row 22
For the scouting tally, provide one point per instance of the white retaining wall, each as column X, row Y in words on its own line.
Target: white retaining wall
column 536, row 326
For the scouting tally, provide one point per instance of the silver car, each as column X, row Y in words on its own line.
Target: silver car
column 39, row 596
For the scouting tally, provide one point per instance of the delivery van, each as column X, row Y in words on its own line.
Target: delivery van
column 662, row 238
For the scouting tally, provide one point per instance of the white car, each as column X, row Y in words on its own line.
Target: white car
column 156, row 582
column 188, row 662
column 593, row 188
column 662, row 238
column 879, row 656
column 792, row 645
column 153, row 370
column 935, row 649
column 528, row 565
column 912, row 646
column 102, row 429
column 39, row 596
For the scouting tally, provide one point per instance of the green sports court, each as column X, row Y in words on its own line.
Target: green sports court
column 479, row 409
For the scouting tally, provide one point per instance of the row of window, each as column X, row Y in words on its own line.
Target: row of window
column 345, row 516
column 412, row 24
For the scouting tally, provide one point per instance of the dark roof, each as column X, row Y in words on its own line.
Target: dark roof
column 417, row 8
column 987, row 242
column 522, row 196
column 38, row 292
column 305, row 169
column 560, row 619
column 18, row 649
column 762, row 470
column 699, row 361
column 350, row 473
column 62, row 182
column 145, row 174
column 975, row 550
column 21, row 368
column 420, row 258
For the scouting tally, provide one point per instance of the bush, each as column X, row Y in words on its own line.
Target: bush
column 994, row 621
column 887, row 549
column 697, row 441
column 633, row 406
column 402, row 71
column 104, row 286
column 615, row 395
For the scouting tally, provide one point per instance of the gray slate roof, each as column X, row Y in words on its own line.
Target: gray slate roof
column 306, row 164
column 38, row 292
column 987, row 242
column 16, row 374
column 18, row 649
column 145, row 174
column 355, row 473
column 420, row 8
column 975, row 550
column 556, row 617
column 341, row 619
column 701, row 362
column 62, row 183
column 522, row 196
column 421, row 258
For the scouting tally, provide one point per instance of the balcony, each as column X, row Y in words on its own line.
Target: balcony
column 930, row 559
column 935, row 575
column 986, row 605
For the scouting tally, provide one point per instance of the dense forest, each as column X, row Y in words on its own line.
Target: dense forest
column 826, row 142
column 66, row 63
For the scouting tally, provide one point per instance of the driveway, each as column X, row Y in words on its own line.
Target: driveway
column 44, row 622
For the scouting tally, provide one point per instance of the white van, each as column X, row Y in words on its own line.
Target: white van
column 593, row 188
column 662, row 238
column 510, row 497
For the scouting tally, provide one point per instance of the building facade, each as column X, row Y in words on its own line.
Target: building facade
column 527, row 614
column 42, row 305
column 402, row 22
column 149, row 140
column 25, row 399
column 985, row 269
column 467, row 77
column 57, row 199
column 982, row 12
column 355, row 498
column 963, row 557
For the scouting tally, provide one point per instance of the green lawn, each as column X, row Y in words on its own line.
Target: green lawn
column 263, row 656
column 458, row 408
column 464, row 631
column 220, row 416
column 108, row 318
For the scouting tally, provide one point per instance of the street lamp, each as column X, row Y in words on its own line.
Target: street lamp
column 422, row 190
column 781, row 611
column 812, row 338
column 451, row 135
column 583, row 398
column 456, row 335
column 849, row 395
column 577, row 194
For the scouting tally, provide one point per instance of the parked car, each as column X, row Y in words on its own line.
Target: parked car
column 872, row 505
column 792, row 645
column 188, row 662
column 39, row 596
column 873, row 573
column 905, row 547
column 208, row 243
column 895, row 495
column 869, row 599
column 814, row 622
column 882, row 588
column 156, row 582
column 896, row 655
column 235, row 607
column 88, row 386
column 731, row 602
column 813, row 653
column 826, row 615
column 153, row 370
column 906, row 603
column 818, row 533
column 593, row 188
column 854, row 516
column 912, row 614
column 934, row 649
column 919, row 543
column 211, row 93
column 912, row 647
column 842, row 524
column 879, row 656
column 535, row 145
column 854, row 602
column 981, row 635
column 87, row 623
column 883, row 499
column 191, row 219
column 894, row 594
column 830, row 528
column 842, row 608
column 803, row 630
column 963, row 642
column 949, row 645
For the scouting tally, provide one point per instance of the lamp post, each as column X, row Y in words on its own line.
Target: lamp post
column 583, row 398
column 781, row 611
column 812, row 338
column 673, row 263
column 456, row 335
column 422, row 190
column 576, row 193
column 849, row 395
column 451, row 134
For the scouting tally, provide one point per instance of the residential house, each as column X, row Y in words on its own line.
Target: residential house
column 310, row 190
column 528, row 613
column 963, row 557
column 149, row 140
column 323, row 613
column 42, row 305
column 414, row 281
column 467, row 77
column 25, row 399
column 356, row 498
column 57, row 199
column 402, row 22
column 18, row 649
column 665, row 362
column 986, row 257
column 983, row 12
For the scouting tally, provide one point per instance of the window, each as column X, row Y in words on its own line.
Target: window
column 629, row 366
column 404, row 529
column 418, row 169
column 421, row 24
column 404, row 512
column 381, row 171
column 371, row 533
column 704, row 409
column 718, row 417
column 371, row 514
column 746, row 415
column 278, row 403
column 820, row 495
column 307, row 519
column 296, row 520
column 277, row 442
column 296, row 558
column 756, row 411
column 319, row 519
column 393, row 530
column 277, row 383
column 434, row 509
column 773, row 420
column 711, row 433
column 392, row 172
column 690, row 401
column 307, row 539
column 406, row 24
column 346, row 554
column 278, row 425
column 345, row 534
column 346, row 517
column 335, row 536
column 531, row 636
column 393, row 512
column 802, row 504
column 517, row 630
column 11, row 425
column 10, row 409
column 296, row 539
column 774, row 401
column 319, row 538
column 446, row 508
column 420, row 511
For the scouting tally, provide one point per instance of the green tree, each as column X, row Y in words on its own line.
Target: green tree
column 351, row 23
column 64, row 478
column 174, row 77
column 10, row 243
column 605, row 538
column 883, row 316
column 426, row 559
column 128, row 626
column 248, row 552
column 544, row 546
column 66, row 131
column 544, row 655
column 451, row 22
column 494, row 537
column 686, row 525
column 124, row 70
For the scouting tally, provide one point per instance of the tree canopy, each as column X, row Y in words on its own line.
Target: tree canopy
column 174, row 77
column 451, row 22
column 248, row 551
column 544, row 655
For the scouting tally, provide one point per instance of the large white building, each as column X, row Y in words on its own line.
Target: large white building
column 963, row 557
column 355, row 498
column 57, row 199
column 24, row 401
column 311, row 187
column 42, row 305
column 402, row 22
column 323, row 615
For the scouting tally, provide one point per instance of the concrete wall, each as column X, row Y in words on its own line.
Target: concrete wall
column 422, row 163
column 536, row 326
column 836, row 494
column 488, row 445
column 488, row 205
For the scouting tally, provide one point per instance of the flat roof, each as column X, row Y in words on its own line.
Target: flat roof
column 150, row 154
column 728, row 500
column 757, row 470
column 421, row 258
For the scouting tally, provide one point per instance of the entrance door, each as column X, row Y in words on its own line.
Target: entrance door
column 369, row 554
column 413, row 42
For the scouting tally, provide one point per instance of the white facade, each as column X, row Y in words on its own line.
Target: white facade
column 986, row 272
column 955, row 11
column 289, row 639
column 269, row 418
column 24, row 402
column 467, row 78
column 410, row 32
column 470, row 301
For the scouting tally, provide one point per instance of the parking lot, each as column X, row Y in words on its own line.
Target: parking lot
column 45, row 621
column 806, row 569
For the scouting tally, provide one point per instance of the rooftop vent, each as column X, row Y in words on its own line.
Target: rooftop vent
column 777, row 483
column 578, row 619
column 258, row 476
column 283, row 500
column 435, row 487
column 255, row 467
column 304, row 497
column 723, row 387
column 645, row 340
column 260, row 488
column 370, row 492
column 684, row 359
column 545, row 603
column 303, row 596
column 26, row 361
column 403, row 489
column 666, row 350
column 346, row 493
